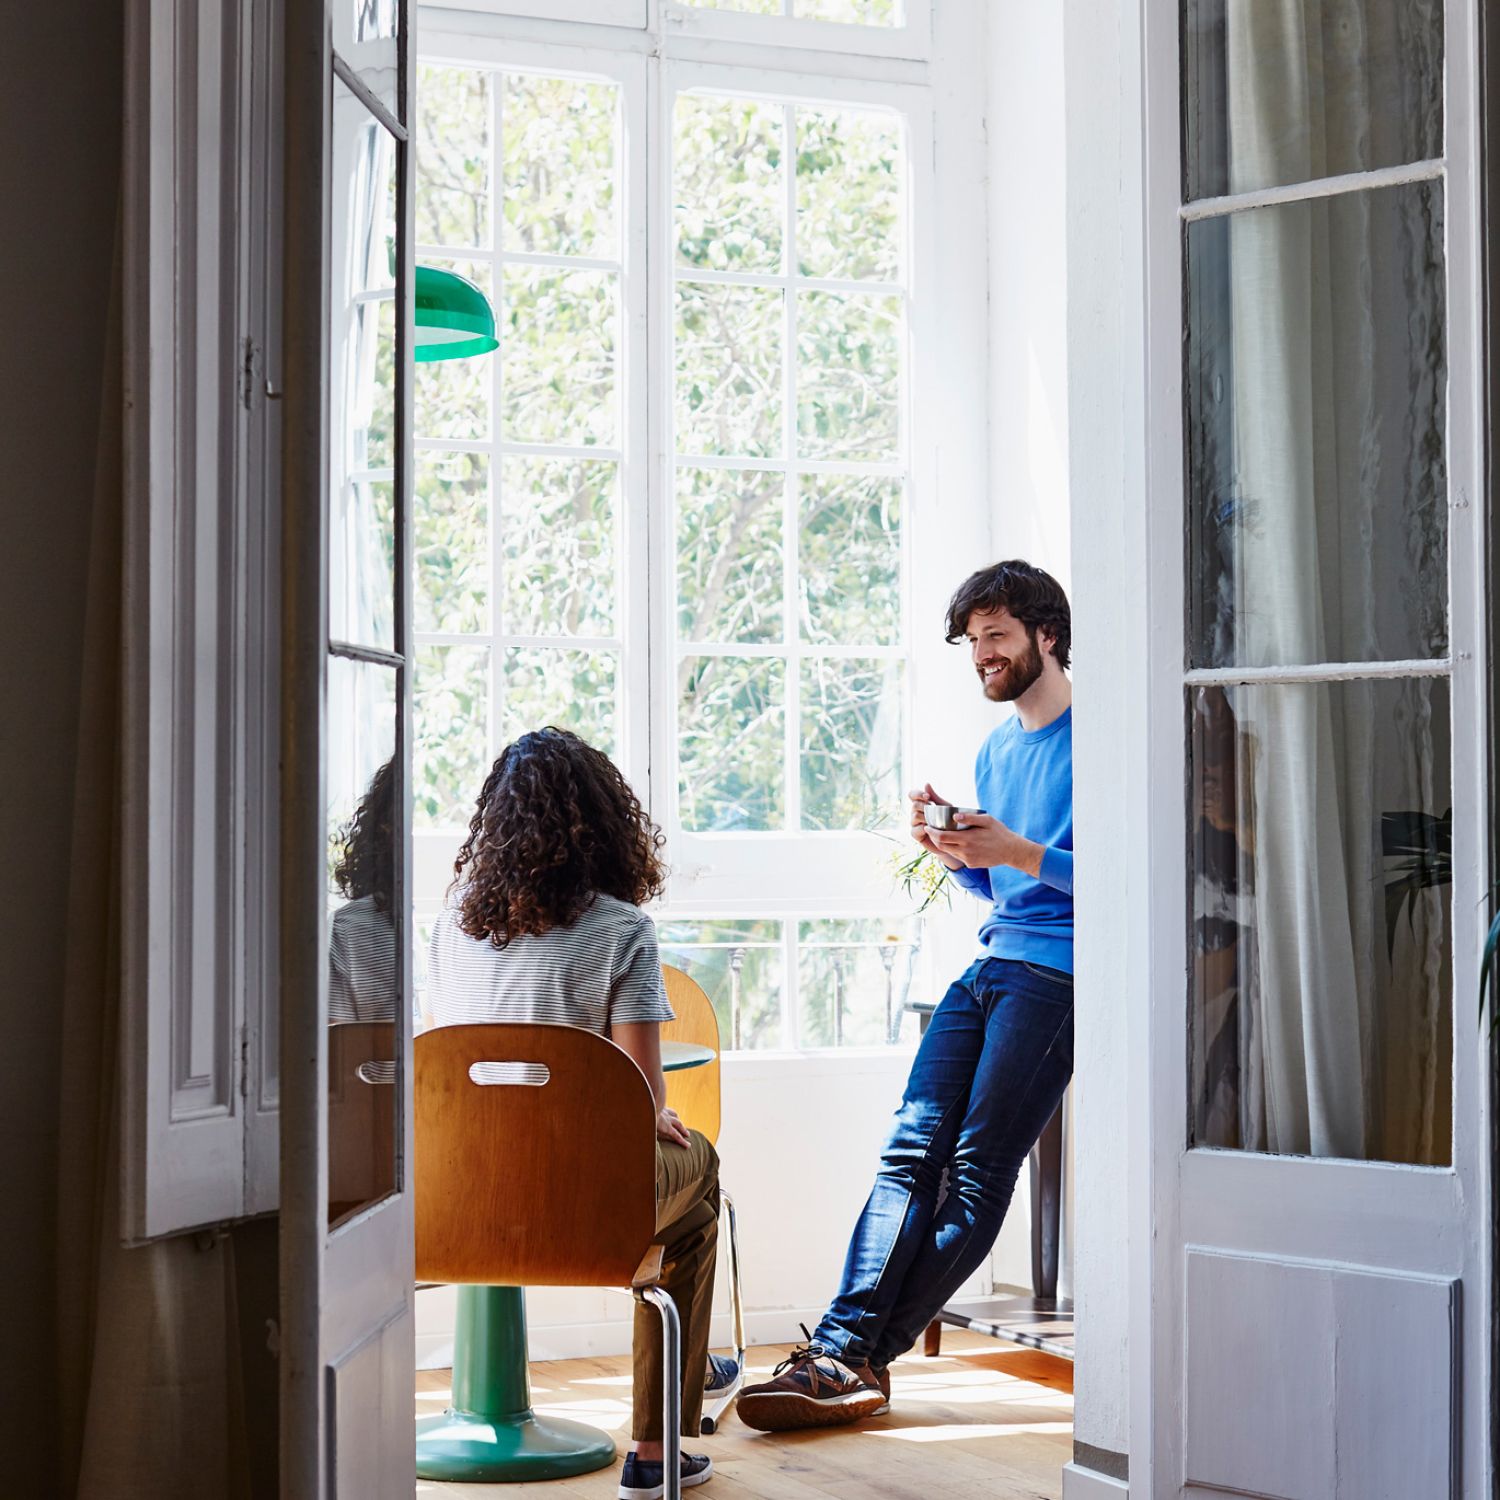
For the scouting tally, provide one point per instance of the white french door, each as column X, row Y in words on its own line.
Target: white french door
column 346, row 1226
column 1315, row 1276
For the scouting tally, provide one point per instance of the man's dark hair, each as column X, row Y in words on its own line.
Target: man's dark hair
column 1035, row 598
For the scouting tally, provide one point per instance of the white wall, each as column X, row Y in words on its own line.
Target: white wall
column 1106, row 475
column 1025, row 123
column 1026, row 159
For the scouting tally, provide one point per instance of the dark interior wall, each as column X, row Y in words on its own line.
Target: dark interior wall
column 60, row 131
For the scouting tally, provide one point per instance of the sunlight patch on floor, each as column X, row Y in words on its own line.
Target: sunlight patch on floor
column 965, row 1432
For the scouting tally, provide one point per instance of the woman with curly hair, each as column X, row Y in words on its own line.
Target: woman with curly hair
column 362, row 979
column 544, row 924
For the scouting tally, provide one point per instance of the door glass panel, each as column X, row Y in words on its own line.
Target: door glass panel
column 365, row 36
column 361, row 524
column 1279, row 94
column 364, row 906
column 1320, row 933
column 1316, row 384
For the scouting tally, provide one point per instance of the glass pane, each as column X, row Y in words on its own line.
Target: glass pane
column 560, row 154
column 451, row 542
column 727, row 183
column 558, row 520
column 1319, row 938
column 731, row 743
column 1316, row 388
column 557, row 350
column 738, row 965
column 364, row 973
column 849, row 560
column 362, row 397
column 849, row 194
column 729, row 371
column 424, row 918
column 453, row 157
column 569, row 689
column 375, row 18
column 848, row 377
column 852, row 982
column 729, row 558
column 365, row 37
column 1280, row 94
column 451, row 717
column 452, row 398
column 751, row 7
column 850, row 12
column 851, row 743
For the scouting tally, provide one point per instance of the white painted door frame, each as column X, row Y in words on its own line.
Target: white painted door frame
column 346, row 1293
column 1358, row 1223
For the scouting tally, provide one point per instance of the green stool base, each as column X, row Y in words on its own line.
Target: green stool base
column 461, row 1445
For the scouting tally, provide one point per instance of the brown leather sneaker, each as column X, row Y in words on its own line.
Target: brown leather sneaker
column 810, row 1388
column 881, row 1380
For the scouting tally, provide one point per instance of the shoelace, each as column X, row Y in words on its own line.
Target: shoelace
column 809, row 1353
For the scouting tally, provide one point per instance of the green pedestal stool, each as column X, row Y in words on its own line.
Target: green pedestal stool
column 490, row 1432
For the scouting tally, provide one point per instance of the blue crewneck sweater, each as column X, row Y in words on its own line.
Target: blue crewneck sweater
column 1025, row 779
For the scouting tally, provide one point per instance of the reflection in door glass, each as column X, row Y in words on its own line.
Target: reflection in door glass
column 365, row 39
column 361, row 522
column 1321, row 942
column 1277, row 94
column 364, row 974
column 1316, row 390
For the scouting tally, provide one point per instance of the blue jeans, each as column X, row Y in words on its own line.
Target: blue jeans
column 991, row 1069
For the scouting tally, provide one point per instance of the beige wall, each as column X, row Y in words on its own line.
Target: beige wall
column 60, row 93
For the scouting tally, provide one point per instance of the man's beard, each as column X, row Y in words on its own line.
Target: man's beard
column 1016, row 677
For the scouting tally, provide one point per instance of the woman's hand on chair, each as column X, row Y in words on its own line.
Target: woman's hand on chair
column 670, row 1128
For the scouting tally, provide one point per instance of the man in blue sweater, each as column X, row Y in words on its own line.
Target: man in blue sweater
column 998, row 1053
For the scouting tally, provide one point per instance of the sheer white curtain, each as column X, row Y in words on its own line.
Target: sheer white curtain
column 1301, row 361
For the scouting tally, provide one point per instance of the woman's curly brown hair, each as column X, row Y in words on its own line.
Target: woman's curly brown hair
column 367, row 844
column 555, row 824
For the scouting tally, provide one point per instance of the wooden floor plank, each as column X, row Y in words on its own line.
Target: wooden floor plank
column 983, row 1419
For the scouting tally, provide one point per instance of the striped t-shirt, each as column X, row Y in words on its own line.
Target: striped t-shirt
column 362, row 980
column 602, row 970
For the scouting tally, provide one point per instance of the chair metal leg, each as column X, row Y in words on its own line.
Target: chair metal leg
column 1046, row 1206
column 490, row 1434
column 714, row 1409
column 671, row 1379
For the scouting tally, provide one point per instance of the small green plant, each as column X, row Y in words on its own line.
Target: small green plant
column 923, row 878
column 1487, row 964
column 1420, row 845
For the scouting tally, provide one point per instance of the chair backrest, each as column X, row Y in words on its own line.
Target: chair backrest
column 361, row 1114
column 532, row 1184
column 693, row 1092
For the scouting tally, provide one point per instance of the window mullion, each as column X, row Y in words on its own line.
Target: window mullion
column 792, row 688
column 497, row 394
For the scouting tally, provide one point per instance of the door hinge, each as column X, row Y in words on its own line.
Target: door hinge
column 247, row 373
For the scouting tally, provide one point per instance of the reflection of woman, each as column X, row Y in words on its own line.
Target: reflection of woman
column 544, row 925
column 362, row 978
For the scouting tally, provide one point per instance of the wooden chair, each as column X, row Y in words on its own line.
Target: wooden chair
column 547, row 1178
column 361, row 1115
column 695, row 1094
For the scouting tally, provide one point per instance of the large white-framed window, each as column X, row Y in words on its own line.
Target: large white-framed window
column 860, row 28
column 715, row 566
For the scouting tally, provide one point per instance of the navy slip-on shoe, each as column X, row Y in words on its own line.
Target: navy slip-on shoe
column 646, row 1481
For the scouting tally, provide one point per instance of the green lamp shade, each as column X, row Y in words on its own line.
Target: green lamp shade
column 454, row 318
